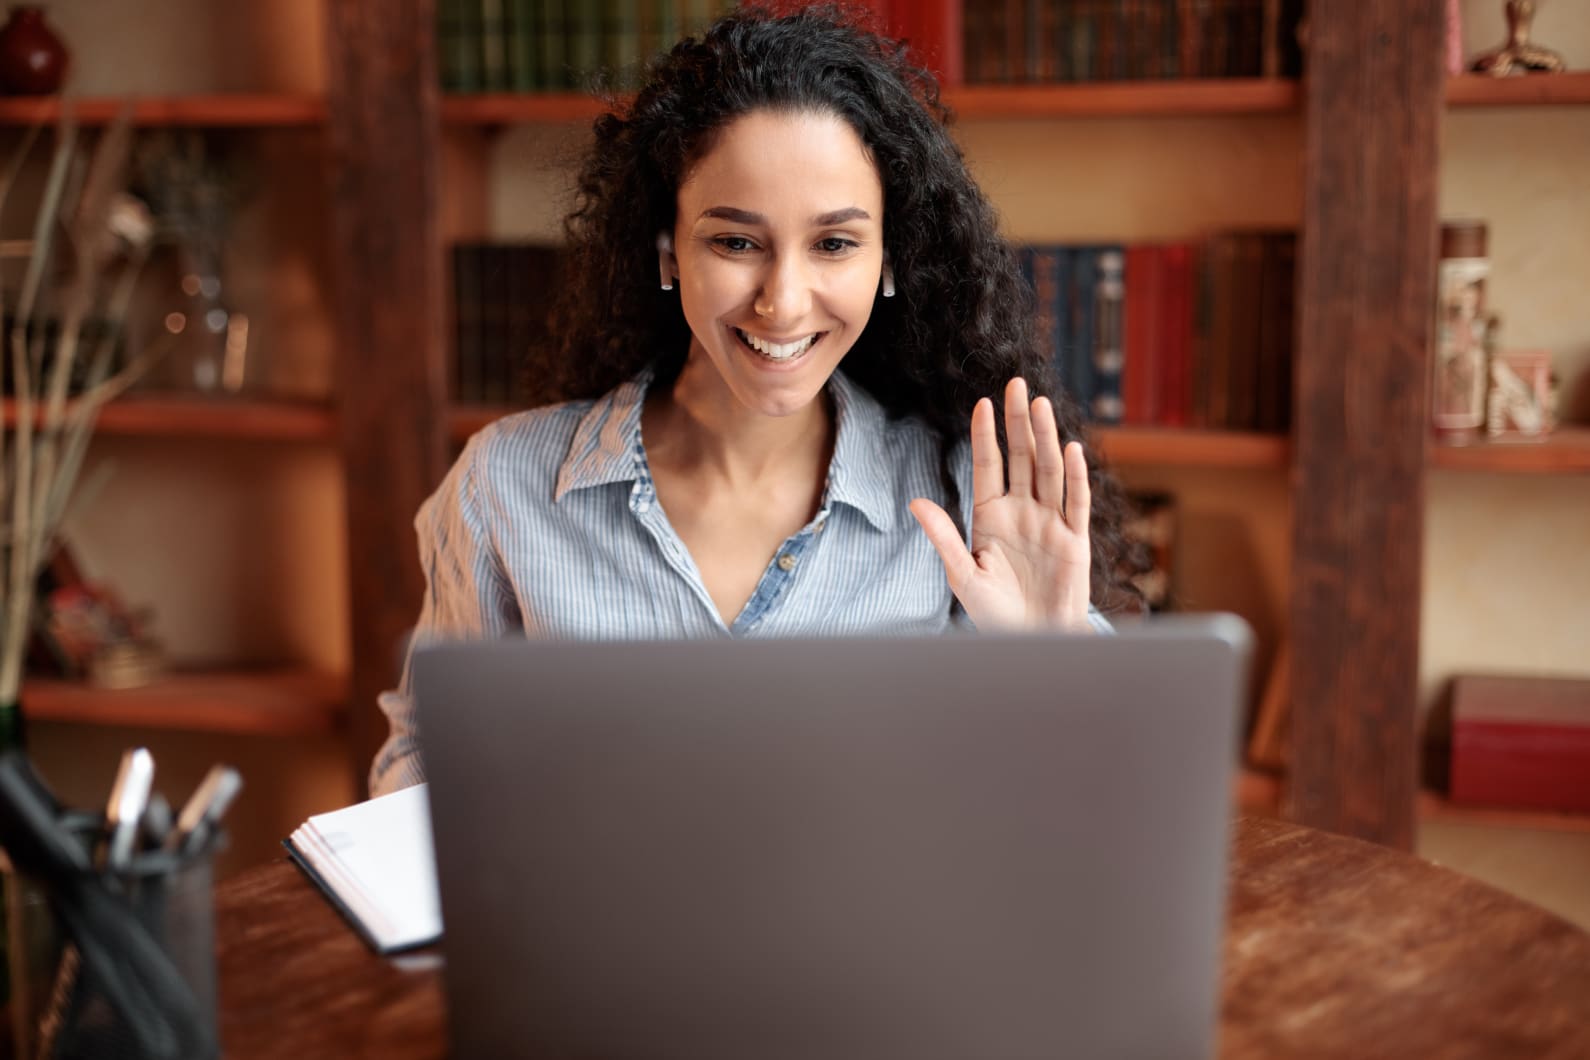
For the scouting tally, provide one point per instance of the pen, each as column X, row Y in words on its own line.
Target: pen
column 204, row 809
column 128, row 798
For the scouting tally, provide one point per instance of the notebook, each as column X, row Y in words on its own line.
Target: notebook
column 374, row 861
column 966, row 846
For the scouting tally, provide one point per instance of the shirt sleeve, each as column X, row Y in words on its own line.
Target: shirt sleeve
column 467, row 595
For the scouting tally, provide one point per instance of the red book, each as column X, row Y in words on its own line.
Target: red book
column 1521, row 742
column 937, row 38
column 1140, row 374
column 1176, row 337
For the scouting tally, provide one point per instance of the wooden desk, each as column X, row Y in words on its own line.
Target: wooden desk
column 1334, row 948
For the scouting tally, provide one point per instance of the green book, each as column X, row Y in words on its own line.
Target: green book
column 466, row 45
column 493, row 46
column 550, row 39
column 582, row 28
column 621, row 40
column 521, row 23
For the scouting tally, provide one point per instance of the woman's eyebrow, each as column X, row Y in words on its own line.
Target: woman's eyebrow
column 747, row 217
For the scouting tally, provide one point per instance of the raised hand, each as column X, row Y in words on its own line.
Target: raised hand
column 1028, row 567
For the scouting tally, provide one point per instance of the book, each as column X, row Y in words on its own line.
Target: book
column 376, row 863
column 1521, row 742
column 1175, row 399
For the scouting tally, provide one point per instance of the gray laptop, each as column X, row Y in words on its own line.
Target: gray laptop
column 962, row 848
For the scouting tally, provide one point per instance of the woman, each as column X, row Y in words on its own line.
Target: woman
column 780, row 201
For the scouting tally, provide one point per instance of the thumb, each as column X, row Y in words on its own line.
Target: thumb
column 941, row 533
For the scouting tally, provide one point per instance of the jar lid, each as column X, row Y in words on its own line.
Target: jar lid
column 1463, row 238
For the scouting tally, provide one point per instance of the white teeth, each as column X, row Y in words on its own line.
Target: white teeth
column 778, row 351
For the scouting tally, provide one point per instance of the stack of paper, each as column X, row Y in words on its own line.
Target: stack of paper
column 376, row 863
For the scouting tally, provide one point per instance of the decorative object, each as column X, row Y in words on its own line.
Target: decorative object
column 33, row 60
column 1457, row 406
column 1454, row 37
column 90, row 240
column 1518, row 406
column 1518, row 55
column 192, row 194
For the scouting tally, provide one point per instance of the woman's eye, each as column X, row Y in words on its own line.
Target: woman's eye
column 834, row 245
column 736, row 244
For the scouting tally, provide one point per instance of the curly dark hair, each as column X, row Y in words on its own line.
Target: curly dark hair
column 962, row 323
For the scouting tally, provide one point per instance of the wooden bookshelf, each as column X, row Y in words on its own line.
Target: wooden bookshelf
column 1564, row 452
column 192, row 416
column 1571, row 88
column 280, row 702
column 218, row 111
column 1102, row 99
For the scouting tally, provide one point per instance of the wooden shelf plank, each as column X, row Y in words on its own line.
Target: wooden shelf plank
column 220, row 111
column 1193, row 448
column 1434, row 806
column 192, row 416
column 1105, row 99
column 287, row 702
column 1205, row 96
column 1564, row 452
column 521, row 108
column 1477, row 90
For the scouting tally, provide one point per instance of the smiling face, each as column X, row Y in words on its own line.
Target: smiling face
column 779, row 246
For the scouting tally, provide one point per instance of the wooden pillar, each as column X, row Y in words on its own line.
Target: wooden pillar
column 387, row 260
column 1366, row 284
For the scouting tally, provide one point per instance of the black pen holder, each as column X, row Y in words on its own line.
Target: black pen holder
column 114, row 965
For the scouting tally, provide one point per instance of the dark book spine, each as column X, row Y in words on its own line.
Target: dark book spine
column 621, row 41
column 1221, row 258
column 553, row 45
column 1109, row 297
column 1275, row 331
column 468, row 355
column 1049, row 299
column 519, row 28
column 583, row 28
column 1245, row 332
column 495, row 297
column 493, row 46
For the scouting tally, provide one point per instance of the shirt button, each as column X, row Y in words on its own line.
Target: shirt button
column 786, row 562
column 819, row 527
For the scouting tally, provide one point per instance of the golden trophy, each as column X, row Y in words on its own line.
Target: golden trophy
column 1518, row 55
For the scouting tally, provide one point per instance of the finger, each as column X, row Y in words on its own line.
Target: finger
column 959, row 566
column 1079, row 495
column 1018, row 436
column 988, row 470
column 1049, row 482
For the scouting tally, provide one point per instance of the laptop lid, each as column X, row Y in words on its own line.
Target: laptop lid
column 971, row 846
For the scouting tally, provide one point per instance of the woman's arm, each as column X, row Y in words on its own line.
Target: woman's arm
column 467, row 595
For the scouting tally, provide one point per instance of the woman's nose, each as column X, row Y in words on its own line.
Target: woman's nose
column 785, row 297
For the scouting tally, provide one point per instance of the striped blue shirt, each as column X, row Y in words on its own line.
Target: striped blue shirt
column 548, row 525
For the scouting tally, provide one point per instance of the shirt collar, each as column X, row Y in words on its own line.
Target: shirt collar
column 606, row 448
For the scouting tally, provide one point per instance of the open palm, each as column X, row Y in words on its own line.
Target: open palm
column 1028, row 567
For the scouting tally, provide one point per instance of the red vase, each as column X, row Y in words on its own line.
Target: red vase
column 32, row 58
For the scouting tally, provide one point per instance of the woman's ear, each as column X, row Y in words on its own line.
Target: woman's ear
column 666, row 266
